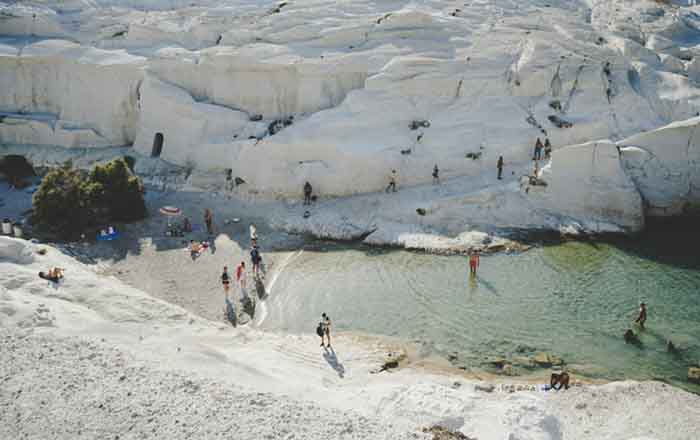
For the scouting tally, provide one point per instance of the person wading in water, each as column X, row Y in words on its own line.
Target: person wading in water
column 473, row 262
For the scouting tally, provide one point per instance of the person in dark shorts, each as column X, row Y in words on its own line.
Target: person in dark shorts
column 436, row 175
column 255, row 259
column 307, row 193
column 209, row 221
column 548, row 149
column 538, row 150
column 225, row 280
column 499, row 165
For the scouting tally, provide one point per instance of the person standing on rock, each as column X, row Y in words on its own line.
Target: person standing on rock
column 538, row 150
column 253, row 235
column 642, row 316
column 255, row 259
column 436, row 175
column 499, row 166
column 209, row 221
column 393, row 177
column 473, row 262
column 225, row 280
column 307, row 193
column 547, row 149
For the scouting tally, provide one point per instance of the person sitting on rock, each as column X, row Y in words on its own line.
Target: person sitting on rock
column 559, row 380
column 195, row 249
column 307, row 193
column 55, row 274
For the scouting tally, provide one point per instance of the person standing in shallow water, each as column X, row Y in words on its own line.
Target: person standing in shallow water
column 499, row 165
column 473, row 262
column 642, row 316
column 436, row 175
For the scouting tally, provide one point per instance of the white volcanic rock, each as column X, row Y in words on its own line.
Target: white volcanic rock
column 587, row 182
column 665, row 166
column 353, row 78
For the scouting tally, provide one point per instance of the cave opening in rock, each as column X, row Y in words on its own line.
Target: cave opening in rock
column 15, row 168
column 157, row 145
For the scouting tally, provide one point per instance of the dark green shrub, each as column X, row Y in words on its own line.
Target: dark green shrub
column 69, row 201
column 62, row 202
column 120, row 195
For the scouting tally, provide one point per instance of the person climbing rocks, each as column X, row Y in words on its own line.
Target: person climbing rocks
column 255, row 259
column 326, row 321
column 209, row 221
column 241, row 278
column 547, row 149
column 225, row 280
column 436, row 175
column 307, row 193
column 499, row 166
column 393, row 177
column 538, row 150
column 642, row 316
column 473, row 262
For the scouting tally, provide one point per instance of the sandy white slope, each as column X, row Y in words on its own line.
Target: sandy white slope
column 95, row 358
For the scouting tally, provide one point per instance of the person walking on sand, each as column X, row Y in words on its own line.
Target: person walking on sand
column 473, row 262
column 225, row 281
column 209, row 221
column 538, row 150
column 326, row 321
column 436, row 175
column 642, row 316
column 241, row 277
column 307, row 193
column 393, row 177
column 499, row 166
column 255, row 259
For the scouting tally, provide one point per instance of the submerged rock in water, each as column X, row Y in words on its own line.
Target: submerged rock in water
column 694, row 374
column 542, row 359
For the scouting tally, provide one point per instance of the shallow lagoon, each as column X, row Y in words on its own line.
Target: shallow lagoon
column 572, row 299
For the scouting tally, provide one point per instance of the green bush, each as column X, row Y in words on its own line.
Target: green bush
column 69, row 201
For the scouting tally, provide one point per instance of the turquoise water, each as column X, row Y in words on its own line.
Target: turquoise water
column 573, row 300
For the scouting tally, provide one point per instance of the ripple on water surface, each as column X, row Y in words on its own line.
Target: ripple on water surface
column 573, row 300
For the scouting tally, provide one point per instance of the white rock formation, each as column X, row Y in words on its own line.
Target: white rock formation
column 366, row 87
column 665, row 166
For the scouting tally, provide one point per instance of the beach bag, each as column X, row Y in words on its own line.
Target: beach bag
column 319, row 329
